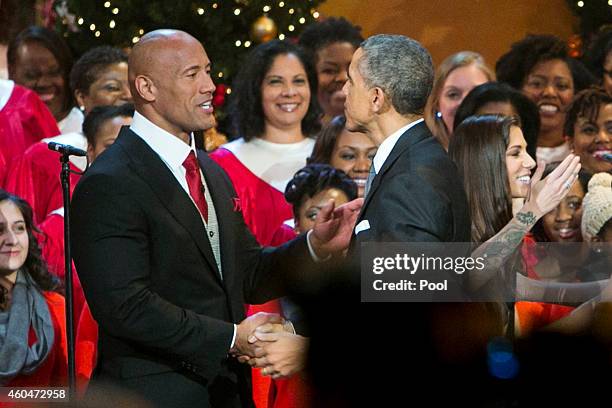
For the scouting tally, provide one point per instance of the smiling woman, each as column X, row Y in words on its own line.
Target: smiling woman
column 275, row 115
column 539, row 66
column 39, row 59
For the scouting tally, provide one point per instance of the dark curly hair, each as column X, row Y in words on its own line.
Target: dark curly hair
column 326, row 141
column 51, row 41
column 332, row 30
column 90, row 66
column 245, row 107
column 34, row 264
column 598, row 51
column 490, row 92
column 514, row 66
column 586, row 104
column 314, row 178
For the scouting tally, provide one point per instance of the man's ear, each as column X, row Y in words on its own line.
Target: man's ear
column 146, row 88
column 379, row 100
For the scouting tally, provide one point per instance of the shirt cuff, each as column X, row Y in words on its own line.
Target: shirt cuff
column 313, row 255
column 234, row 337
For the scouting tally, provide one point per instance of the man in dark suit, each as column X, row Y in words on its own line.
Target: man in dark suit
column 163, row 253
column 413, row 193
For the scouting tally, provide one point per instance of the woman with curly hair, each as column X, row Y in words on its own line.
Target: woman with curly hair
column 276, row 116
column 539, row 66
column 32, row 320
column 589, row 129
column 331, row 43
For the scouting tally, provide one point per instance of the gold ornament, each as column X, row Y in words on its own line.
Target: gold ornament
column 263, row 29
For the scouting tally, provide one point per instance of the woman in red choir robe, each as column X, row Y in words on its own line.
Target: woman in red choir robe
column 98, row 78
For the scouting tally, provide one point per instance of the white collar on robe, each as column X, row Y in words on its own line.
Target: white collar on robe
column 6, row 90
column 274, row 163
column 73, row 122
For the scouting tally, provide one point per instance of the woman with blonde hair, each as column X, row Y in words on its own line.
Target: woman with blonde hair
column 455, row 78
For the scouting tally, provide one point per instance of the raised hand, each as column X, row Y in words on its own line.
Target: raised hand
column 545, row 195
column 334, row 227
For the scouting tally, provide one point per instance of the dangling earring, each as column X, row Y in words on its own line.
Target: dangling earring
column 82, row 108
column 439, row 115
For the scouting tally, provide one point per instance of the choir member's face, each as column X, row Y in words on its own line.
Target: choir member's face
column 106, row 136
column 551, row 87
column 111, row 87
column 563, row 223
column 310, row 208
column 518, row 164
column 14, row 242
column 38, row 69
column 353, row 154
column 594, row 139
column 285, row 92
column 332, row 65
column 457, row 85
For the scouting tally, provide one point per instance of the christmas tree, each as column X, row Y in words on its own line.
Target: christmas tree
column 227, row 28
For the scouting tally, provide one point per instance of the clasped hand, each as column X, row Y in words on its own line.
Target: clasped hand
column 272, row 345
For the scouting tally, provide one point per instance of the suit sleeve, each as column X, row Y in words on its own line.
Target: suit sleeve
column 111, row 251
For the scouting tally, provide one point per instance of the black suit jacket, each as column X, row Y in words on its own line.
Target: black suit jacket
column 152, row 282
column 417, row 196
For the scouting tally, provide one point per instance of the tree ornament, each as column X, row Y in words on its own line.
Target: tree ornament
column 263, row 29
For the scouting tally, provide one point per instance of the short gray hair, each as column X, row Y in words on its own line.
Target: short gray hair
column 401, row 67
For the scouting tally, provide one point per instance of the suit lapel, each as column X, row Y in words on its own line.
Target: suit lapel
column 153, row 171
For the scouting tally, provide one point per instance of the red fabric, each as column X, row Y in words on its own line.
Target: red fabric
column 52, row 247
column 24, row 120
column 35, row 177
column 86, row 346
column 536, row 315
column 194, row 182
column 54, row 370
column 264, row 208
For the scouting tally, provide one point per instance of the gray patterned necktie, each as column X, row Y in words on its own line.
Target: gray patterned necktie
column 371, row 176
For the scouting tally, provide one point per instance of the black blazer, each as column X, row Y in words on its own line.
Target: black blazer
column 152, row 283
column 417, row 196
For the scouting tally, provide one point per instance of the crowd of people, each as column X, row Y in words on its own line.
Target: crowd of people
column 197, row 274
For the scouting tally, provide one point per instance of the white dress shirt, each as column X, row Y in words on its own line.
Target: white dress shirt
column 173, row 152
column 384, row 150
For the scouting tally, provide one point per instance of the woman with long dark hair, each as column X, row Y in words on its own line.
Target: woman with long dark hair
column 505, row 199
column 32, row 320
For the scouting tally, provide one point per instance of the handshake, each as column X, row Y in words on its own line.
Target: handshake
column 267, row 341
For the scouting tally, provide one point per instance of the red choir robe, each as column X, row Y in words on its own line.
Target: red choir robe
column 264, row 208
column 35, row 176
column 24, row 120
column 52, row 248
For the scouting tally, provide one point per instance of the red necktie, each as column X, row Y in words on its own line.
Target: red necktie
column 194, row 181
